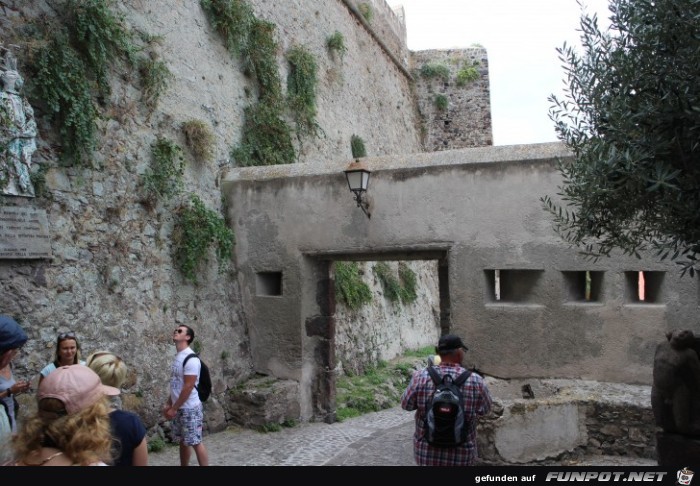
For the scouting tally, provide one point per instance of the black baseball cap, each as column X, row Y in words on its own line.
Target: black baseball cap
column 448, row 342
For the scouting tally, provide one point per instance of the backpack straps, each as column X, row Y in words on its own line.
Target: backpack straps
column 437, row 378
column 459, row 381
column 184, row 362
column 434, row 374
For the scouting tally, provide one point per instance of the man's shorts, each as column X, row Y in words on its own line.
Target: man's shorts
column 187, row 426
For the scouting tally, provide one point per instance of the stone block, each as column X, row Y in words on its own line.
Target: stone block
column 263, row 401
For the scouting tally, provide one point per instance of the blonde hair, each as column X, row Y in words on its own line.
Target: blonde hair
column 111, row 368
column 84, row 437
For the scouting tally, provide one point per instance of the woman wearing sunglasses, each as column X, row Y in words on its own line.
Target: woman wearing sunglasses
column 67, row 353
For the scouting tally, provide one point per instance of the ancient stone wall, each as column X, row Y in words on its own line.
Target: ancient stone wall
column 455, row 110
column 111, row 277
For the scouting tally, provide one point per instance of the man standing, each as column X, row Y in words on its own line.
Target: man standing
column 183, row 407
column 477, row 402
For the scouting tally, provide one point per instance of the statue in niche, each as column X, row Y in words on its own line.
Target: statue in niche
column 17, row 132
column 675, row 391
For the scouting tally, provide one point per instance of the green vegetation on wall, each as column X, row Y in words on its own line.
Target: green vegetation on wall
column 336, row 44
column 366, row 11
column 70, row 67
column 349, row 287
column 441, row 102
column 467, row 75
column 432, row 70
column 301, row 89
column 266, row 138
column 196, row 230
column 402, row 289
column 155, row 76
column 357, row 147
column 164, row 177
column 200, row 139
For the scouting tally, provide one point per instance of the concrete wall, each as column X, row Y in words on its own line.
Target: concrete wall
column 476, row 209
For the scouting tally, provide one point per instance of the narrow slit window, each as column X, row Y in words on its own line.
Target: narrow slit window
column 497, row 284
column 583, row 286
column 644, row 286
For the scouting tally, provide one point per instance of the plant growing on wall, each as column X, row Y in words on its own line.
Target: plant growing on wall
column 233, row 19
column 467, row 75
column 366, row 11
column 301, row 89
column 197, row 229
column 349, row 287
column 164, row 178
column 433, row 70
column 200, row 139
column 70, row 69
column 396, row 290
column 155, row 76
column 390, row 284
column 266, row 138
column 336, row 44
column 357, row 147
column 441, row 102
column 407, row 279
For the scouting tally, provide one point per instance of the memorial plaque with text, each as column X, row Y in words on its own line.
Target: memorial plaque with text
column 24, row 233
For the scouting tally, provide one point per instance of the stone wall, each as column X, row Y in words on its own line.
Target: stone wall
column 111, row 278
column 382, row 330
column 466, row 121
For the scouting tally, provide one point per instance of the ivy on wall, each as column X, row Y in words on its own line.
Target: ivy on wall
column 197, row 229
column 266, row 136
column 349, row 287
column 397, row 290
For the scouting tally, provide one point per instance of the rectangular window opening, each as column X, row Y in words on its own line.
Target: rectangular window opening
column 268, row 284
column 644, row 287
column 511, row 286
column 583, row 286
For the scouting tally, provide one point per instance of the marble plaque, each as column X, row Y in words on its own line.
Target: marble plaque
column 24, row 233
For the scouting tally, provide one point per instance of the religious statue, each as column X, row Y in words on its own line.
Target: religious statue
column 17, row 132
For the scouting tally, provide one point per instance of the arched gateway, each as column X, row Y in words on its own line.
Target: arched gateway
column 528, row 305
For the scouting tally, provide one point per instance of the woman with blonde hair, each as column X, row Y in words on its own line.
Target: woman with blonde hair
column 130, row 447
column 71, row 424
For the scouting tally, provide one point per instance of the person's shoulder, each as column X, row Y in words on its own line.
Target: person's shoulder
column 48, row 369
column 82, row 362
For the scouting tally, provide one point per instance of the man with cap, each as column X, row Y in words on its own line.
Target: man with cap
column 477, row 402
column 12, row 338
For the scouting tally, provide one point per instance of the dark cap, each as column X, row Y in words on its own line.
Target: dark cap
column 449, row 342
column 12, row 336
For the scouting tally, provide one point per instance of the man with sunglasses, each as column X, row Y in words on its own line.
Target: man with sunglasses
column 183, row 407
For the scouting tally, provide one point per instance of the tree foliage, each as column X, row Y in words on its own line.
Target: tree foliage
column 631, row 116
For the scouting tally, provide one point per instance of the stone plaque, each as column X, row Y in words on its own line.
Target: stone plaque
column 24, row 233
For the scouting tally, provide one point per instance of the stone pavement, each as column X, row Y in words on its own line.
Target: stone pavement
column 375, row 439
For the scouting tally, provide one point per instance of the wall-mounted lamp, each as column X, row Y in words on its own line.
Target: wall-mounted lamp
column 358, row 181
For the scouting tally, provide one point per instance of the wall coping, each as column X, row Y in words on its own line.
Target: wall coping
column 503, row 154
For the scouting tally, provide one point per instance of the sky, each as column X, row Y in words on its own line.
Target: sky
column 520, row 37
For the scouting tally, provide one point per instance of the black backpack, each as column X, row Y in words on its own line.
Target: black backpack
column 445, row 422
column 204, row 386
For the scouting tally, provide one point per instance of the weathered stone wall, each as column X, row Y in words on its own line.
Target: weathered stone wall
column 382, row 330
column 112, row 279
column 466, row 122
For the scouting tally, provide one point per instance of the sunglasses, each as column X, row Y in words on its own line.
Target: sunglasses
column 66, row 335
column 178, row 331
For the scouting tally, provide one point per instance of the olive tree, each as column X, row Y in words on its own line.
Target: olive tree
column 630, row 114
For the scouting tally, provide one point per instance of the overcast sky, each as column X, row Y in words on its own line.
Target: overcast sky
column 520, row 37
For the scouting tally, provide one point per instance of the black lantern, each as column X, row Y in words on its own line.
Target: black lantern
column 358, row 181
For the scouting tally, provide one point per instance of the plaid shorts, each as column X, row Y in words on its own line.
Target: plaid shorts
column 187, row 426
